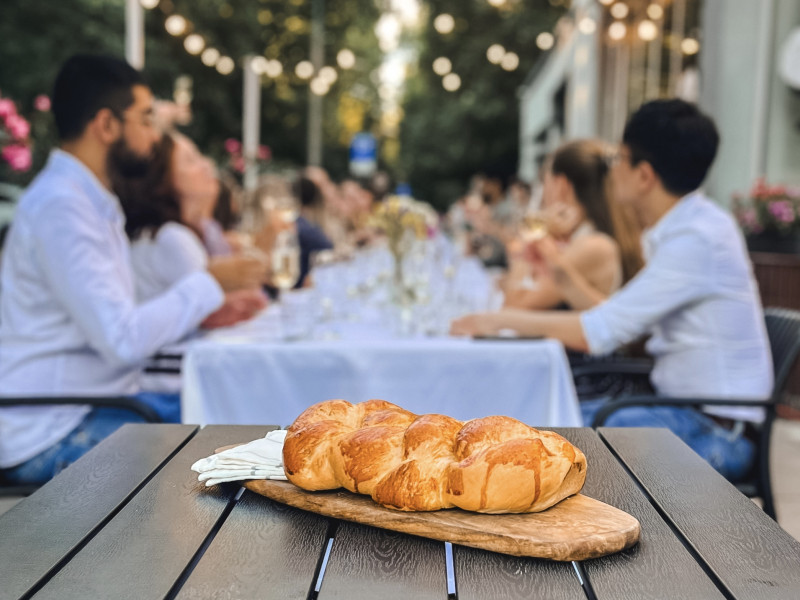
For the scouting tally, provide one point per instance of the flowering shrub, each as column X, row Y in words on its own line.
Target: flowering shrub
column 15, row 146
column 768, row 209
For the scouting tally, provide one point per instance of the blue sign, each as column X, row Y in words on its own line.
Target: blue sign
column 363, row 154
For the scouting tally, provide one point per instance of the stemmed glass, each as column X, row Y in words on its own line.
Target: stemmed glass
column 285, row 261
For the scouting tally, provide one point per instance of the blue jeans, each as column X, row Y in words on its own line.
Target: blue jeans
column 729, row 453
column 98, row 425
column 168, row 406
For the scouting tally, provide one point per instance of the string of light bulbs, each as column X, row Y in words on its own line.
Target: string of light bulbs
column 195, row 44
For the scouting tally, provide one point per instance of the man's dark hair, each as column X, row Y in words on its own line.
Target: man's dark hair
column 678, row 141
column 86, row 84
column 307, row 192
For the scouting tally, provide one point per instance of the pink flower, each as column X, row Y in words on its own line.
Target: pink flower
column 7, row 108
column 233, row 146
column 17, row 127
column 748, row 218
column 42, row 103
column 264, row 153
column 18, row 157
column 782, row 211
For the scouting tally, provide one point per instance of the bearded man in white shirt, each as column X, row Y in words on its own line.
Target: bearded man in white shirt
column 696, row 296
column 69, row 321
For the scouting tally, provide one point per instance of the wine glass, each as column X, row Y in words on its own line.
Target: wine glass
column 533, row 227
column 285, row 261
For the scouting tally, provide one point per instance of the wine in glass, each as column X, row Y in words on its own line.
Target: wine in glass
column 285, row 261
column 533, row 227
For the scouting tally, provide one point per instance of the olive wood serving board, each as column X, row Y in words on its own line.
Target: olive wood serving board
column 576, row 528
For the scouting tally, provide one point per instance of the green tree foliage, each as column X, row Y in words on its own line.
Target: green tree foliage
column 37, row 35
column 447, row 137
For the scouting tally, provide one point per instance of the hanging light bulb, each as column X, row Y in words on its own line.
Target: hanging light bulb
column 259, row 64
column 319, row 86
column 148, row 4
column 304, row 69
column 545, row 40
column 346, row 58
column 225, row 65
column 619, row 10
column 510, row 61
column 175, row 25
column 495, row 53
column 442, row 66
column 648, row 31
column 194, row 43
column 328, row 75
column 587, row 26
column 451, row 82
column 690, row 46
column 617, row 31
column 655, row 11
column 210, row 56
column 274, row 68
column 444, row 23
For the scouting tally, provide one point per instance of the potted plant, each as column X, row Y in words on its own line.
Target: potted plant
column 770, row 218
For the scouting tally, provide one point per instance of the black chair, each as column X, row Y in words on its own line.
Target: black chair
column 125, row 402
column 783, row 329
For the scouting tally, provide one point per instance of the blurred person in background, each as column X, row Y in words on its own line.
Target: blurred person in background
column 336, row 217
column 588, row 250
column 310, row 232
column 167, row 210
column 357, row 204
column 696, row 294
column 71, row 324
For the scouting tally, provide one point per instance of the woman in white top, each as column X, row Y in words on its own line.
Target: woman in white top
column 590, row 250
column 165, row 211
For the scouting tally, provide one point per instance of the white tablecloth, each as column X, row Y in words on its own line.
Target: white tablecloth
column 246, row 382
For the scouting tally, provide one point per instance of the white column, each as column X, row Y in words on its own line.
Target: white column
column 622, row 69
column 638, row 72
column 761, row 87
column 134, row 34
column 653, row 86
column 678, row 33
column 251, row 123
column 317, row 52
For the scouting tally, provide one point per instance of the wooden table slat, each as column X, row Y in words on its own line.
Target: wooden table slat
column 263, row 550
column 720, row 531
column 481, row 574
column 659, row 566
column 36, row 534
column 370, row 563
column 144, row 549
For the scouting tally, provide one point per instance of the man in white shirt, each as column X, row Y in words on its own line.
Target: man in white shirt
column 69, row 321
column 696, row 296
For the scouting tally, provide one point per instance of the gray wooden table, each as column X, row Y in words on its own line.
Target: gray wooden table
column 130, row 520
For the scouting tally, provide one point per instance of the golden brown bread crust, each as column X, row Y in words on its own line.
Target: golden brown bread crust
column 408, row 462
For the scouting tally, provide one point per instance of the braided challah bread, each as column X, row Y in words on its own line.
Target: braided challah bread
column 428, row 462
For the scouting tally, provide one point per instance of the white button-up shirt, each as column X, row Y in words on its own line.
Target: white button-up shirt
column 158, row 262
column 698, row 298
column 69, row 321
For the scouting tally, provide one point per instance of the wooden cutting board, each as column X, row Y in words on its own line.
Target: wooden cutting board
column 576, row 528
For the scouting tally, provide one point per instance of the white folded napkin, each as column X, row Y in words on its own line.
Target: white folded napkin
column 260, row 459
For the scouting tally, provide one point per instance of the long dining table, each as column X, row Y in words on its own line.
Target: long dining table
column 238, row 380
column 130, row 521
